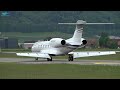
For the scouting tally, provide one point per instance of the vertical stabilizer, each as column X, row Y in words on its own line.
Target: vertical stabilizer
column 78, row 31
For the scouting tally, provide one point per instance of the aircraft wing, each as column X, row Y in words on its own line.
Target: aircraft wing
column 91, row 53
column 30, row 54
column 42, row 55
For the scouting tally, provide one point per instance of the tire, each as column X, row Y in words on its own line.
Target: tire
column 49, row 59
column 36, row 59
column 70, row 58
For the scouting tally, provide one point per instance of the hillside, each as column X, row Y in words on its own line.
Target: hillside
column 47, row 21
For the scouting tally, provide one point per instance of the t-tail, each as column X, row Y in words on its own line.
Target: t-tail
column 79, row 29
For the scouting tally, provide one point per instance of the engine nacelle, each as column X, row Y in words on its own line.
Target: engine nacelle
column 84, row 42
column 56, row 42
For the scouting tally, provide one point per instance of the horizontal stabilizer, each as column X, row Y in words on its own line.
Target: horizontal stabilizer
column 98, row 23
column 83, row 22
column 34, row 55
column 91, row 53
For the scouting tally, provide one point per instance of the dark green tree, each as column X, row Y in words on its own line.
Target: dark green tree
column 103, row 40
column 112, row 44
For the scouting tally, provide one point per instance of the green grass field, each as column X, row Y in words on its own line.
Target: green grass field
column 58, row 71
column 35, row 36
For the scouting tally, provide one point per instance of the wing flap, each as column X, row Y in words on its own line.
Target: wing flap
column 33, row 55
column 92, row 53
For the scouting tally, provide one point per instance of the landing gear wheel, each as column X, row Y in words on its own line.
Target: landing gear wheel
column 49, row 59
column 70, row 58
column 36, row 59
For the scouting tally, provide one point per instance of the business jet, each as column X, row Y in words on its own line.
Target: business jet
column 59, row 46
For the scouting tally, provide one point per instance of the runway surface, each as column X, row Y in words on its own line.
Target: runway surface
column 60, row 61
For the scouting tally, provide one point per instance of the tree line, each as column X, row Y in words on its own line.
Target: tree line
column 47, row 21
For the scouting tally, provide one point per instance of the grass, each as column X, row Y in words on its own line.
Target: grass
column 15, row 50
column 58, row 71
column 35, row 35
column 96, row 49
column 13, row 54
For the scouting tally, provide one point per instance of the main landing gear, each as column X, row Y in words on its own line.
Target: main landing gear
column 70, row 57
column 49, row 59
column 36, row 59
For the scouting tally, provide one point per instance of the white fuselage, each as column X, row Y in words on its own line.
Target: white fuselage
column 46, row 47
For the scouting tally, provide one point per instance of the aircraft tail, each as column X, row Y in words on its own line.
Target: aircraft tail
column 79, row 29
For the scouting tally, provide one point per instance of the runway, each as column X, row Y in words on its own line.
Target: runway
column 60, row 61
